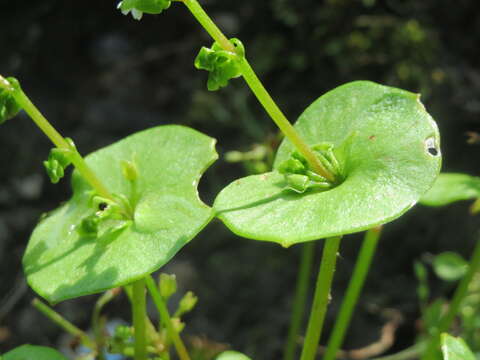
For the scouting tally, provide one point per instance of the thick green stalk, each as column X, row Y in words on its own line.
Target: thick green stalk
column 259, row 90
column 139, row 311
column 64, row 323
column 57, row 139
column 321, row 297
column 460, row 293
column 165, row 318
column 300, row 299
column 353, row 291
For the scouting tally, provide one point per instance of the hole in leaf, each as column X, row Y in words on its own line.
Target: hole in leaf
column 431, row 146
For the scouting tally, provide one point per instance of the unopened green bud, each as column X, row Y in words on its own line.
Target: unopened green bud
column 291, row 166
column 296, row 182
column 221, row 64
column 167, row 285
column 315, row 177
column 89, row 226
column 233, row 156
column 58, row 160
column 178, row 326
column 8, row 105
column 300, row 157
column 129, row 170
column 123, row 332
column 186, row 304
column 54, row 170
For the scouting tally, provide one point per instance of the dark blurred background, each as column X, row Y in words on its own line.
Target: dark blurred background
column 98, row 76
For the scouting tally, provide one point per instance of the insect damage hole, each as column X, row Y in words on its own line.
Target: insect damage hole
column 102, row 206
column 431, row 146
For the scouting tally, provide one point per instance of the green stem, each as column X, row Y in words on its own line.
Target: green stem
column 407, row 354
column 58, row 140
column 208, row 24
column 454, row 306
column 321, row 297
column 259, row 90
column 139, row 310
column 300, row 299
column 353, row 291
column 167, row 321
column 97, row 323
column 64, row 323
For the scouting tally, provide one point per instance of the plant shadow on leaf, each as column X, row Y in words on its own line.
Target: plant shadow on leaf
column 284, row 194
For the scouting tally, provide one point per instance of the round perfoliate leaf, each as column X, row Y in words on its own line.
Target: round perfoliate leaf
column 385, row 147
column 67, row 256
column 31, row 352
column 452, row 187
column 449, row 266
column 454, row 348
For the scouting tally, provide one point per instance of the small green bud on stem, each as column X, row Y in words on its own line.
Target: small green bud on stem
column 221, row 64
column 187, row 303
column 167, row 285
column 8, row 105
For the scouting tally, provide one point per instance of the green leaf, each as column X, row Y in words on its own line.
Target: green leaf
column 455, row 349
column 232, row 355
column 450, row 266
column 387, row 146
column 451, row 187
column 64, row 261
column 222, row 65
column 138, row 7
column 8, row 105
column 30, row 352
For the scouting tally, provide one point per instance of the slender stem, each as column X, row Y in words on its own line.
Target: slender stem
column 407, row 354
column 139, row 310
column 167, row 321
column 97, row 323
column 321, row 297
column 353, row 291
column 300, row 299
column 208, row 24
column 453, row 308
column 59, row 141
column 259, row 90
column 64, row 323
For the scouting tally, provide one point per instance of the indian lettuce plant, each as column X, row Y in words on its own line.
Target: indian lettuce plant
column 358, row 157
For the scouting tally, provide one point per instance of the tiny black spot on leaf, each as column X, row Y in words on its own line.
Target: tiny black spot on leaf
column 102, row 206
column 433, row 151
